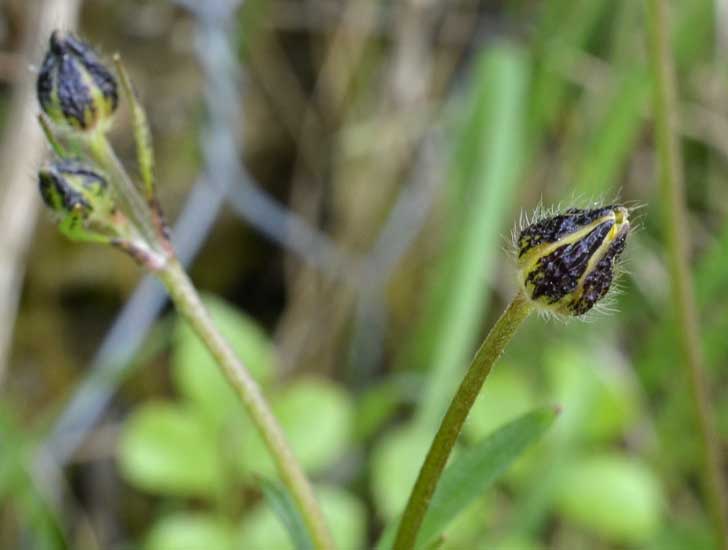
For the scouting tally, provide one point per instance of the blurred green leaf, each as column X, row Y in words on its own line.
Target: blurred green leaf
column 565, row 28
column 394, row 464
column 168, row 449
column 615, row 496
column 375, row 406
column 285, row 509
column 317, row 417
column 38, row 519
column 200, row 379
column 599, row 400
column 344, row 513
column 506, row 395
column 190, row 531
column 473, row 471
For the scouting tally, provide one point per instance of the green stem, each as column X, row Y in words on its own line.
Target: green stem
column 675, row 223
column 452, row 423
column 190, row 306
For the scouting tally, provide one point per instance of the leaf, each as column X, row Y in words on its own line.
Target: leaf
column 345, row 515
column 190, row 531
column 282, row 504
column 506, row 396
column 200, row 379
column 478, row 467
column 395, row 462
column 599, row 401
column 317, row 417
column 616, row 497
column 473, row 471
column 167, row 449
column 36, row 516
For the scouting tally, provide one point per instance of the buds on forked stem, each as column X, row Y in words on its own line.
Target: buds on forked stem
column 79, row 95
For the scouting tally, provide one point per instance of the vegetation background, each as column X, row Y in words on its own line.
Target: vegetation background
column 345, row 176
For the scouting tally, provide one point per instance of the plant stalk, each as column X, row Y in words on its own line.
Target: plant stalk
column 481, row 365
column 127, row 191
column 190, row 306
column 676, row 236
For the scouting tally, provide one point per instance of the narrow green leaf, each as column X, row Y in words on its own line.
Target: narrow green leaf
column 281, row 503
column 474, row 470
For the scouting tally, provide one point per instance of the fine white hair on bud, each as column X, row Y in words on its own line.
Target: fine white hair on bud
column 567, row 260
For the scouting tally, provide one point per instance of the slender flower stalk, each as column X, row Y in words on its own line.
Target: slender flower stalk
column 188, row 303
column 452, row 423
column 98, row 201
column 566, row 265
column 677, row 245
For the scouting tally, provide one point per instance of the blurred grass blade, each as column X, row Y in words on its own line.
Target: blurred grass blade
column 19, row 493
column 614, row 138
column 281, row 503
column 565, row 27
column 473, row 471
column 485, row 171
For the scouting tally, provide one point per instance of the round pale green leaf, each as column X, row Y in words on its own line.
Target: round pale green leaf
column 505, row 396
column 190, row 531
column 470, row 524
column 167, row 449
column 616, row 407
column 344, row 513
column 616, row 497
column 200, row 379
column 317, row 417
column 395, row 462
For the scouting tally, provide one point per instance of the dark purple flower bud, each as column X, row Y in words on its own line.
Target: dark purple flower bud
column 566, row 262
column 75, row 89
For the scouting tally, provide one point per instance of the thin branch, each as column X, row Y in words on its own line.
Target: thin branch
column 677, row 244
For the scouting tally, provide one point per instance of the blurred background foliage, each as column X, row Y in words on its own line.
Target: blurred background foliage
column 410, row 135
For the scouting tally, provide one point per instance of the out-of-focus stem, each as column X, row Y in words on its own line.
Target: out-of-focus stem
column 452, row 423
column 676, row 237
column 190, row 306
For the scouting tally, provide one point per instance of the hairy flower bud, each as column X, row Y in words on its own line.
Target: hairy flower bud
column 74, row 88
column 82, row 202
column 566, row 262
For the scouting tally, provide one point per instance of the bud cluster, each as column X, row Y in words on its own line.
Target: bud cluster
column 95, row 200
column 566, row 262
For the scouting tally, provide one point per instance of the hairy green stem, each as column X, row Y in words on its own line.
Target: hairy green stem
column 190, row 306
column 127, row 191
column 452, row 423
column 676, row 228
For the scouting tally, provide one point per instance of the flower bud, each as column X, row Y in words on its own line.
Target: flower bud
column 74, row 88
column 566, row 262
column 82, row 202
